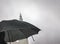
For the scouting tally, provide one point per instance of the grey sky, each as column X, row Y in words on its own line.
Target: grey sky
column 44, row 14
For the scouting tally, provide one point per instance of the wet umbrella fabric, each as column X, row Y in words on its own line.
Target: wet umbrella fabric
column 16, row 30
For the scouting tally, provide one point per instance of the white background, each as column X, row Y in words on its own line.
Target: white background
column 45, row 14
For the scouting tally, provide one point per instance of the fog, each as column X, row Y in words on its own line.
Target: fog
column 44, row 14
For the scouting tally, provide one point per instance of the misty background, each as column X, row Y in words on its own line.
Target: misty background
column 45, row 14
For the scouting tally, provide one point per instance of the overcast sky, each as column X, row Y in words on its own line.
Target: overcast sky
column 45, row 14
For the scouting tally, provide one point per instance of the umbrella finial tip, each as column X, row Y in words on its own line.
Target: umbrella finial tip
column 21, row 19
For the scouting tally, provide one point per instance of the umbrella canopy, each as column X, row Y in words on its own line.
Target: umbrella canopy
column 16, row 30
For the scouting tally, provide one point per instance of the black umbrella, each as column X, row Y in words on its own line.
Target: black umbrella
column 17, row 30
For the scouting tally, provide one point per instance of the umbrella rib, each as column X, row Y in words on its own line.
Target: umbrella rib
column 12, row 36
column 33, row 38
column 8, row 36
